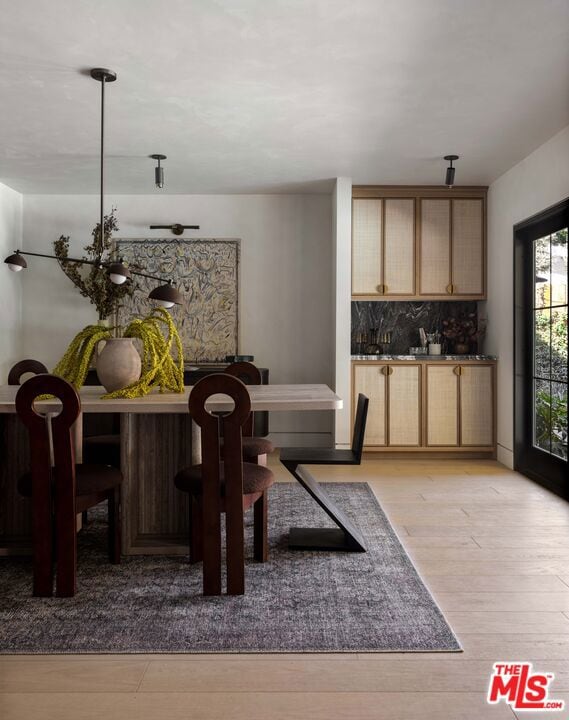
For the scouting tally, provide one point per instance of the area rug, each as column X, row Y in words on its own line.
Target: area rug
column 296, row 602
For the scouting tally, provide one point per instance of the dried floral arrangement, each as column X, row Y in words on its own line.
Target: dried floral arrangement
column 464, row 329
column 94, row 282
column 159, row 368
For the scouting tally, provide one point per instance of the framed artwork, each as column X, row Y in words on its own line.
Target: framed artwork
column 206, row 271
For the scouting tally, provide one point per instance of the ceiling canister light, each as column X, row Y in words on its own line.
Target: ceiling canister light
column 158, row 170
column 166, row 294
column 449, row 178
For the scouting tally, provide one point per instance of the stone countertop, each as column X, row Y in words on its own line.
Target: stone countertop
column 429, row 358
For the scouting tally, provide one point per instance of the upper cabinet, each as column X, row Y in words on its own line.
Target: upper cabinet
column 418, row 243
column 383, row 246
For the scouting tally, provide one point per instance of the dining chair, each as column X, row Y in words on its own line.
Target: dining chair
column 255, row 449
column 347, row 536
column 60, row 489
column 227, row 486
column 22, row 368
column 99, row 448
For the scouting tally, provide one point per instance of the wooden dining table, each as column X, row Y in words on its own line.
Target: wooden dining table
column 158, row 438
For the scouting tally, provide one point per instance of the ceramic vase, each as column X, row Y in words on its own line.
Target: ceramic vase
column 118, row 364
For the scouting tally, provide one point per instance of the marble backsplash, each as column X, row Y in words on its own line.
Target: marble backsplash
column 402, row 320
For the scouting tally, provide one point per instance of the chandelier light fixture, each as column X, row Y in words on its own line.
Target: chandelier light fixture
column 166, row 295
column 449, row 177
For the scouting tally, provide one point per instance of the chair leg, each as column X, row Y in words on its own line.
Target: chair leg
column 43, row 531
column 260, row 536
column 196, row 539
column 66, row 540
column 114, row 526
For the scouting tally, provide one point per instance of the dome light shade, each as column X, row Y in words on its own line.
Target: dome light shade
column 16, row 262
column 166, row 296
column 118, row 273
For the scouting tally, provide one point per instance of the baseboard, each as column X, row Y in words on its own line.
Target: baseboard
column 505, row 456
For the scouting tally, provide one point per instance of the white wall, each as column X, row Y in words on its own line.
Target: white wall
column 286, row 283
column 534, row 184
column 342, row 293
column 10, row 283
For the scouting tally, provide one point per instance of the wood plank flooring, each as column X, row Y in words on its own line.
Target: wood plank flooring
column 491, row 545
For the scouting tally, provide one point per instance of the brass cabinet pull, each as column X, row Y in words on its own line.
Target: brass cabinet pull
column 380, row 289
column 457, row 370
column 450, row 288
column 383, row 370
column 390, row 371
column 386, row 370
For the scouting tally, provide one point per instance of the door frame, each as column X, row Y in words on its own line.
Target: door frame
column 546, row 469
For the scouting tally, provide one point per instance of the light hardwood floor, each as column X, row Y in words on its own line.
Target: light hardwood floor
column 491, row 545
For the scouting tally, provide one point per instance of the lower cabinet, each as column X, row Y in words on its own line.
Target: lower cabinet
column 438, row 406
column 394, row 413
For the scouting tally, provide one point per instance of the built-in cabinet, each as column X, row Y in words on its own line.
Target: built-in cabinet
column 394, row 412
column 428, row 406
column 418, row 243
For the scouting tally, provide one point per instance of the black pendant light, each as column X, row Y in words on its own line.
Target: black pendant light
column 158, row 171
column 449, row 178
column 166, row 295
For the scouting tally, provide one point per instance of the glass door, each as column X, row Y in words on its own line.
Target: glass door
column 540, row 365
column 550, row 344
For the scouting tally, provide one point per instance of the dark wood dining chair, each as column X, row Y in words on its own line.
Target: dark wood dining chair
column 224, row 486
column 59, row 488
column 255, row 449
column 347, row 536
column 24, row 367
column 103, row 449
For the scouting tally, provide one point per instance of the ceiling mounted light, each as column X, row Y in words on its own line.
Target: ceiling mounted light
column 158, row 171
column 449, row 178
column 166, row 295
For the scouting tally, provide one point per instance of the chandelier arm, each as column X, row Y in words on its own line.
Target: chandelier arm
column 103, row 264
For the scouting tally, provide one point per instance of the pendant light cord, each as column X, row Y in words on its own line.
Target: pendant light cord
column 102, row 162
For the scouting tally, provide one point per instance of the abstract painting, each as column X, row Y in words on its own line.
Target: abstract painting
column 206, row 272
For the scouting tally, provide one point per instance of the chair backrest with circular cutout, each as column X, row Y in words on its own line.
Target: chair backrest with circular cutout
column 61, row 424
column 231, row 425
column 23, row 367
column 51, row 487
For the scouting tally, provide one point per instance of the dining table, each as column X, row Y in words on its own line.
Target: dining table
column 158, row 437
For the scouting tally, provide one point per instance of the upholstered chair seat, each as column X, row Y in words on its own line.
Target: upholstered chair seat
column 256, row 479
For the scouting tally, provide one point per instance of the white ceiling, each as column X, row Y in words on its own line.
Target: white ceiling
column 277, row 95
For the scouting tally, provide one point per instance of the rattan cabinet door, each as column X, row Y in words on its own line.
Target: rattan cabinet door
column 442, row 405
column 434, row 253
column 467, row 247
column 477, row 405
column 367, row 252
column 404, row 409
column 371, row 380
column 399, row 246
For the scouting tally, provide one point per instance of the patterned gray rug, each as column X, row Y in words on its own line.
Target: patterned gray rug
column 298, row 601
